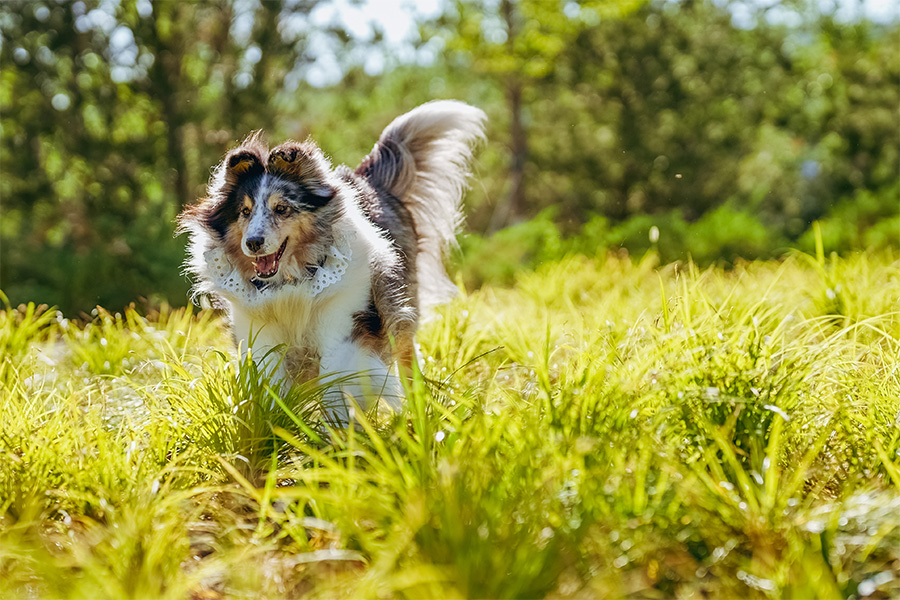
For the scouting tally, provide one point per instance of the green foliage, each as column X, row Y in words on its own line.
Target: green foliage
column 602, row 428
column 672, row 106
column 723, row 235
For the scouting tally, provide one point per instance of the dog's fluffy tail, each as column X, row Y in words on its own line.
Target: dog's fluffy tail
column 422, row 158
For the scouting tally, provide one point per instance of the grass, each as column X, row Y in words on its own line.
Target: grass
column 601, row 429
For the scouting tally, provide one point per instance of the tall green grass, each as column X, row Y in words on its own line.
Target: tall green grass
column 601, row 428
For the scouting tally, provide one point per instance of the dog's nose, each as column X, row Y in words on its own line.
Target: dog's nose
column 254, row 244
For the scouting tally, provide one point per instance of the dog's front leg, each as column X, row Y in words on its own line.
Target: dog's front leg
column 356, row 378
column 267, row 350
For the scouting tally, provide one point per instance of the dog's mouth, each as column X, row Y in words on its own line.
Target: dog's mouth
column 267, row 266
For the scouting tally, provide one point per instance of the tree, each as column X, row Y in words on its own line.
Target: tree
column 670, row 108
column 518, row 43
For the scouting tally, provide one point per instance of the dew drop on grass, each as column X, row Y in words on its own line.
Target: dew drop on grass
column 439, row 436
column 815, row 526
column 867, row 587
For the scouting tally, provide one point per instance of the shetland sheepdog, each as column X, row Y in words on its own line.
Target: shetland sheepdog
column 325, row 272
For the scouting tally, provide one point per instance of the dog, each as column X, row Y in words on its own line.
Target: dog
column 326, row 272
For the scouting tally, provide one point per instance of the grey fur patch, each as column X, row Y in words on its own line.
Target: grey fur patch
column 422, row 159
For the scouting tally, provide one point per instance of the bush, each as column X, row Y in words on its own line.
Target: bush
column 720, row 236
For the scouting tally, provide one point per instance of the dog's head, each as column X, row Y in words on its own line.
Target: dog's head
column 271, row 210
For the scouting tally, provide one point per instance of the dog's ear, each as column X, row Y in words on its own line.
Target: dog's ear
column 242, row 163
column 283, row 161
column 303, row 164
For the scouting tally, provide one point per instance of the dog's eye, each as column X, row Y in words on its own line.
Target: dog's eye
column 281, row 209
column 245, row 211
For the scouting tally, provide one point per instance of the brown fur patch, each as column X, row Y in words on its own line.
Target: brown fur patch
column 293, row 160
column 233, row 243
column 301, row 364
column 368, row 331
column 306, row 236
column 274, row 200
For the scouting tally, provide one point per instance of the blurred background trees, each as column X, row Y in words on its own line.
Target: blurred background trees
column 728, row 126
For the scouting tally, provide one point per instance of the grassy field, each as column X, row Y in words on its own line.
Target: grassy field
column 601, row 429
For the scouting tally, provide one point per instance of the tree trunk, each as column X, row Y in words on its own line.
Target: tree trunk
column 166, row 88
column 511, row 209
column 519, row 151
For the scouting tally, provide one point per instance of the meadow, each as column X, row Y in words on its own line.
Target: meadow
column 600, row 428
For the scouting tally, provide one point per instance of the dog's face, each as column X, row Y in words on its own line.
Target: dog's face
column 272, row 209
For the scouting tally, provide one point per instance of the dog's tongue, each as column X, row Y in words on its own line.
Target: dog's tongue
column 266, row 264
